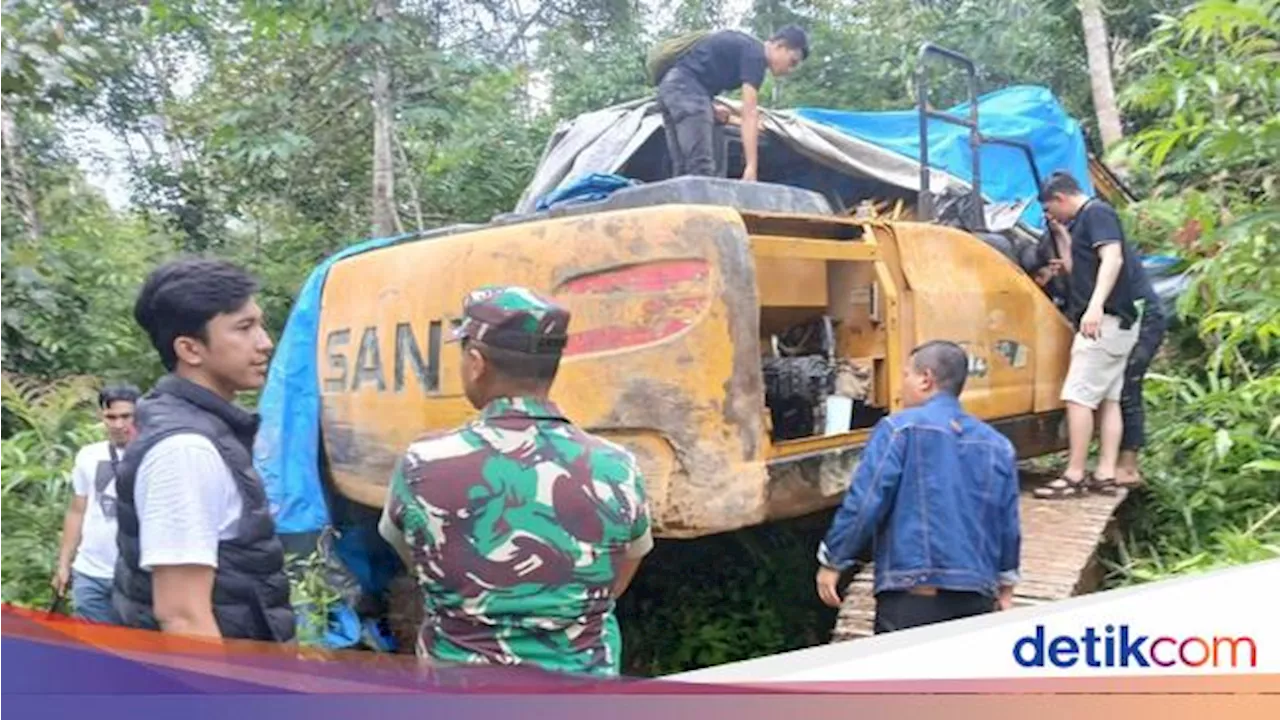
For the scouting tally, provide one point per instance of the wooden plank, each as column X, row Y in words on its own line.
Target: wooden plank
column 1059, row 541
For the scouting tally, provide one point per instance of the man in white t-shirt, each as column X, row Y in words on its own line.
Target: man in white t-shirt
column 198, row 552
column 87, row 557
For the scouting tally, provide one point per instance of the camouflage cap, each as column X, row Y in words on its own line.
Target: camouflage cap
column 513, row 318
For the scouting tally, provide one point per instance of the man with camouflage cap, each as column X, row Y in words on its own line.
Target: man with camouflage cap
column 521, row 529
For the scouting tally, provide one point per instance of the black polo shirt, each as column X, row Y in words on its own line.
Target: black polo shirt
column 1095, row 225
column 725, row 61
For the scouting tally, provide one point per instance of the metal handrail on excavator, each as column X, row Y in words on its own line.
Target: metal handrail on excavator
column 976, row 138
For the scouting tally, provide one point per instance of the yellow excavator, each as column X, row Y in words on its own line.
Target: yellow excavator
column 740, row 338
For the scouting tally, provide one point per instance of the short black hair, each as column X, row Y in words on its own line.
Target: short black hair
column 1060, row 182
column 795, row 38
column 948, row 362
column 117, row 393
column 180, row 297
column 519, row 366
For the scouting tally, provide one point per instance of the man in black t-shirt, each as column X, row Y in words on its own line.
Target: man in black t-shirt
column 718, row 63
column 1100, row 303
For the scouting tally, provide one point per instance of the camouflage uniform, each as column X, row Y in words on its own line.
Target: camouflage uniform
column 517, row 521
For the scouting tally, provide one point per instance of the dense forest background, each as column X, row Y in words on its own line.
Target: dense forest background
column 277, row 133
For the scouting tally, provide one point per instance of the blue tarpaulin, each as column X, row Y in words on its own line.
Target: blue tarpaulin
column 1028, row 114
column 286, row 452
column 595, row 186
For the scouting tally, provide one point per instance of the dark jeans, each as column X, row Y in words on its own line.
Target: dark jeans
column 1150, row 335
column 689, row 122
column 900, row 610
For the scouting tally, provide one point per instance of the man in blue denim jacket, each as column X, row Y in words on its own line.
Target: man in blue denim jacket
column 936, row 490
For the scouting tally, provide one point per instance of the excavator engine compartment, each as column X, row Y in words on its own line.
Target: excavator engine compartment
column 809, row 390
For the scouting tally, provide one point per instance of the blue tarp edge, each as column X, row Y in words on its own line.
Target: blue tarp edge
column 286, row 450
column 585, row 188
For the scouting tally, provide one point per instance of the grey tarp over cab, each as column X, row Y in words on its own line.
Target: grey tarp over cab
column 603, row 141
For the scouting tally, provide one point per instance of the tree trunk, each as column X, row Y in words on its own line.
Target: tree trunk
column 163, row 70
column 412, row 179
column 15, row 175
column 385, row 219
column 1104, row 92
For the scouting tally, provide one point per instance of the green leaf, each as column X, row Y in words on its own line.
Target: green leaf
column 1266, row 465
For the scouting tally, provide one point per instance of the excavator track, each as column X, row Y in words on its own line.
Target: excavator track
column 1060, row 539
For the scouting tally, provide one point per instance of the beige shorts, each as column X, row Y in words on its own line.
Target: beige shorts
column 1097, row 366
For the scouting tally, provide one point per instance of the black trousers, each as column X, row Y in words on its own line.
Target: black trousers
column 900, row 610
column 689, row 122
column 1150, row 335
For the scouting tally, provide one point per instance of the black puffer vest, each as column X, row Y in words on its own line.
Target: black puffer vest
column 250, row 589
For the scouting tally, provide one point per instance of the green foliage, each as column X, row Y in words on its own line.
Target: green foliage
column 43, row 63
column 45, row 425
column 590, row 67
column 313, row 597
column 700, row 15
column 586, row 79
column 1213, row 472
column 1236, row 293
column 1213, row 462
column 69, row 296
column 864, row 57
column 474, row 161
column 1214, row 73
column 697, row 603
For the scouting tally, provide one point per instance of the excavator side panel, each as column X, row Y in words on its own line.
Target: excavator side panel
column 663, row 356
column 933, row 283
column 964, row 290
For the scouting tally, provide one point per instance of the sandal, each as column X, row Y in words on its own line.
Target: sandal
column 1060, row 488
column 1102, row 486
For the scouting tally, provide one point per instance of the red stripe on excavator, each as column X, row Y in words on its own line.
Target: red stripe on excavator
column 672, row 294
column 614, row 338
column 649, row 277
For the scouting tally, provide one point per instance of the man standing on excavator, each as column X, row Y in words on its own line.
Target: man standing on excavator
column 717, row 63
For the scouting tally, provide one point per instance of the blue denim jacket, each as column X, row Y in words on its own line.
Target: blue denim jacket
column 937, row 491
